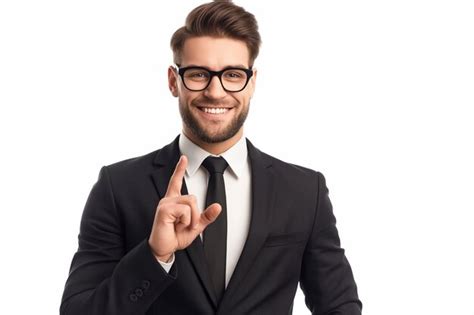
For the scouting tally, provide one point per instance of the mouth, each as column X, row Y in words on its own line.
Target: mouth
column 214, row 110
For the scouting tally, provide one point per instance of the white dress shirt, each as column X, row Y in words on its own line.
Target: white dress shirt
column 237, row 179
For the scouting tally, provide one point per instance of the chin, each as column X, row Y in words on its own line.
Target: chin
column 214, row 138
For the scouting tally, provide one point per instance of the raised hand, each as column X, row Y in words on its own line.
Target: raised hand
column 177, row 218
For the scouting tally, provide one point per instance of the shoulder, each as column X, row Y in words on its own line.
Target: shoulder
column 134, row 164
column 286, row 171
column 293, row 173
column 143, row 165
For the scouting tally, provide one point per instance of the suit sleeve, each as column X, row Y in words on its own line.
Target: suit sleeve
column 103, row 278
column 326, row 276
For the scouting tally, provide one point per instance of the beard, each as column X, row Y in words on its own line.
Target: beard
column 193, row 124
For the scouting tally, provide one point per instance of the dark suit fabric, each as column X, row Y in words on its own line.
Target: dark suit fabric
column 292, row 237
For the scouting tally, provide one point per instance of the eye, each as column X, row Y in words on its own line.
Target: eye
column 234, row 74
column 196, row 74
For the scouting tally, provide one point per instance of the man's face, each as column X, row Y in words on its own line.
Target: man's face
column 212, row 115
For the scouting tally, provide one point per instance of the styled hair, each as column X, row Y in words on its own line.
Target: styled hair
column 218, row 19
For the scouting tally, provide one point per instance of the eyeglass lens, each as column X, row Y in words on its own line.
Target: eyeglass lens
column 231, row 79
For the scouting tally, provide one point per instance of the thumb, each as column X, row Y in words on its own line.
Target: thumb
column 210, row 214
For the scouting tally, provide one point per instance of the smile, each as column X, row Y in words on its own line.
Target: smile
column 214, row 110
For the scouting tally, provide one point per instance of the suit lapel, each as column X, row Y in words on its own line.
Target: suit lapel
column 166, row 160
column 263, row 195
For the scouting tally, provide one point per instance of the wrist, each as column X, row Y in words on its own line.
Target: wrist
column 164, row 258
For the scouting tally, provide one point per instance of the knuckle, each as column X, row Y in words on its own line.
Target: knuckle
column 163, row 201
column 163, row 206
column 207, row 216
column 193, row 199
column 187, row 208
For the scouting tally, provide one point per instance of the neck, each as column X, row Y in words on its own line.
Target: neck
column 218, row 147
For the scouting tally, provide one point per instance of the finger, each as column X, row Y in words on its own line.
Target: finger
column 209, row 215
column 176, row 180
column 195, row 213
column 184, row 220
column 175, row 213
column 191, row 201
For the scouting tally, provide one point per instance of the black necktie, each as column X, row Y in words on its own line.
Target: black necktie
column 215, row 235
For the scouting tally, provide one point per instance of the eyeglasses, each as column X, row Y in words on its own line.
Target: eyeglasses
column 198, row 78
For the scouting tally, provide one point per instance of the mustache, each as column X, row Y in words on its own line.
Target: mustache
column 209, row 102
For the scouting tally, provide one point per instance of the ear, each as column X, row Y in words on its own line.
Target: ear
column 253, row 82
column 173, row 81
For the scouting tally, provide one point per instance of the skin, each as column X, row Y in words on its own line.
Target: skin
column 178, row 220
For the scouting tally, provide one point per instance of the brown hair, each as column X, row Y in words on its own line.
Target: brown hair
column 218, row 19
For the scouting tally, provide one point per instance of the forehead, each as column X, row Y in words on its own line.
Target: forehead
column 214, row 53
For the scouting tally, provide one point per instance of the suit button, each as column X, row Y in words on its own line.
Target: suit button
column 145, row 284
column 139, row 292
column 133, row 298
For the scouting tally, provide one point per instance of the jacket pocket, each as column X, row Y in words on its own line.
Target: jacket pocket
column 284, row 239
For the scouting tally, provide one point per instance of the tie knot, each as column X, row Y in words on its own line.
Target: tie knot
column 215, row 164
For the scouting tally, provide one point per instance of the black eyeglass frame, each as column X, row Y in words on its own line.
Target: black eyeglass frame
column 248, row 72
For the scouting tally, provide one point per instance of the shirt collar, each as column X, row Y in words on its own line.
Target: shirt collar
column 236, row 156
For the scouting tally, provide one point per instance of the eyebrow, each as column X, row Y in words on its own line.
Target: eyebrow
column 228, row 66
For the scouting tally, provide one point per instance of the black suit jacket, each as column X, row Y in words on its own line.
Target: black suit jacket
column 292, row 237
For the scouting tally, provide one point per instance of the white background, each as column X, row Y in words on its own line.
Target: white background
column 377, row 95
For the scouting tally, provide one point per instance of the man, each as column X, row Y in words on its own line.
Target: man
column 145, row 246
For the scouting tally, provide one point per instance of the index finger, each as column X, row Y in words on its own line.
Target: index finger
column 176, row 180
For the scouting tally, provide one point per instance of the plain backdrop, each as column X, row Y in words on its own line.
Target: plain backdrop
column 377, row 95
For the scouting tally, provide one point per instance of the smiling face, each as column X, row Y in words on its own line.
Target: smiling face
column 213, row 116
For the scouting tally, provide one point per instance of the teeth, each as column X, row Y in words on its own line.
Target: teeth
column 215, row 110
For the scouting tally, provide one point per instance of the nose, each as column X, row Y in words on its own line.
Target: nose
column 215, row 89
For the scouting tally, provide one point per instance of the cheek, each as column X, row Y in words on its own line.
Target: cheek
column 186, row 97
column 244, row 100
